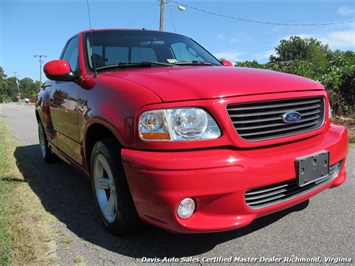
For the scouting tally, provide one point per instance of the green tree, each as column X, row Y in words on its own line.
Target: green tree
column 28, row 88
column 297, row 67
column 306, row 57
column 9, row 90
column 298, row 49
column 339, row 80
column 4, row 93
column 12, row 88
column 2, row 74
column 250, row 64
column 288, row 50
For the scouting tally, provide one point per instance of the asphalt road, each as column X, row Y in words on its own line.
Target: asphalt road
column 320, row 230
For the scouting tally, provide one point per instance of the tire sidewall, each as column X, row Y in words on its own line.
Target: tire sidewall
column 101, row 148
column 46, row 152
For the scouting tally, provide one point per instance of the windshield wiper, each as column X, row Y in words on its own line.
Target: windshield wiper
column 195, row 63
column 142, row 64
column 125, row 65
column 158, row 63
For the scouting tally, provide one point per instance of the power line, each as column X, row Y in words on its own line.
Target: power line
column 140, row 15
column 172, row 18
column 267, row 22
column 109, row 11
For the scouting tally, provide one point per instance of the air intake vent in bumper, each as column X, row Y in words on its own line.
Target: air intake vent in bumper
column 273, row 194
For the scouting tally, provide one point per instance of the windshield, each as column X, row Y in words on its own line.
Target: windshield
column 107, row 48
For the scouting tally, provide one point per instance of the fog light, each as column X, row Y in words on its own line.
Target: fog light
column 186, row 208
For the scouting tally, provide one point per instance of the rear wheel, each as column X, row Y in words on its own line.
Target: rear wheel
column 111, row 191
column 46, row 152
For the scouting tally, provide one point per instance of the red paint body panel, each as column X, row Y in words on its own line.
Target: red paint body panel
column 216, row 173
column 187, row 83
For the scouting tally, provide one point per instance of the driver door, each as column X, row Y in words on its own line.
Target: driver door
column 63, row 106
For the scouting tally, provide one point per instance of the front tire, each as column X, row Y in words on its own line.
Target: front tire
column 46, row 152
column 110, row 187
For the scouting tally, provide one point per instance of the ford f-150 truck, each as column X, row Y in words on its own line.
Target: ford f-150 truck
column 170, row 135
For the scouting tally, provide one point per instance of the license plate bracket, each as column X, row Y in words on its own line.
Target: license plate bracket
column 312, row 167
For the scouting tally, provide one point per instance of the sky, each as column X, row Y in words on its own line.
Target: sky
column 237, row 30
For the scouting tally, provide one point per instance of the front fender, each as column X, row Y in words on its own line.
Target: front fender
column 113, row 103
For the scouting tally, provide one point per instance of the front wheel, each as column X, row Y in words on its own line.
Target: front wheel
column 46, row 152
column 110, row 187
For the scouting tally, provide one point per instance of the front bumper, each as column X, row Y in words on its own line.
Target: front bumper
column 218, row 179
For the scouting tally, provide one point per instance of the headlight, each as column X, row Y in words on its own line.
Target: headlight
column 178, row 124
column 189, row 123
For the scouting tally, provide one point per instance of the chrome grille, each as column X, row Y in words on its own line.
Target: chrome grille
column 273, row 194
column 264, row 120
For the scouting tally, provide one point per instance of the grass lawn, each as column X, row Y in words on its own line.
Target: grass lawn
column 24, row 224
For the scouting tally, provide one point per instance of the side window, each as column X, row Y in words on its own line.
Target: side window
column 71, row 53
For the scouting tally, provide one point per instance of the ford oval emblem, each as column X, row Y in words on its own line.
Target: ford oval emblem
column 291, row 117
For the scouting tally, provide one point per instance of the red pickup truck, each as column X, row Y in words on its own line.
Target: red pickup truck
column 169, row 135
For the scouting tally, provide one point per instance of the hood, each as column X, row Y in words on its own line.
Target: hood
column 207, row 82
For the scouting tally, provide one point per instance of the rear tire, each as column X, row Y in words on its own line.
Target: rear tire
column 110, row 187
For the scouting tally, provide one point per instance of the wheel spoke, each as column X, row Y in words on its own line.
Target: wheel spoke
column 111, row 205
column 105, row 188
column 102, row 183
column 101, row 161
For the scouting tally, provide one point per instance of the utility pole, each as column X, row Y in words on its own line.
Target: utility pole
column 162, row 10
column 162, row 7
column 40, row 68
column 18, row 87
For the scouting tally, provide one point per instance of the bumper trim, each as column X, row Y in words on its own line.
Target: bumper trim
column 270, row 195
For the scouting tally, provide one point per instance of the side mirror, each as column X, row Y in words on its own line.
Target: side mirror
column 59, row 70
column 226, row 63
